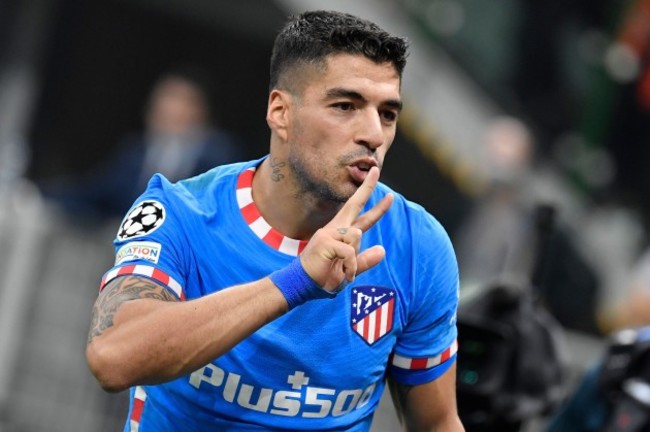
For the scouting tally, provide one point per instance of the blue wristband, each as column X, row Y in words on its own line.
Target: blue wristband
column 296, row 285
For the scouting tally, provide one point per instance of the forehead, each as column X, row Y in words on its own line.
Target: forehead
column 354, row 72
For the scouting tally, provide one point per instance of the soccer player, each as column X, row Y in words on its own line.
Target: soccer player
column 283, row 293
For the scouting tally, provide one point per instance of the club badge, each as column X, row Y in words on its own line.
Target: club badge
column 372, row 312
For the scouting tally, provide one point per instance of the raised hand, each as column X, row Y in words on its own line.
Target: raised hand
column 332, row 258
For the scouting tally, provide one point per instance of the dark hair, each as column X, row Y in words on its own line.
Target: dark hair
column 312, row 36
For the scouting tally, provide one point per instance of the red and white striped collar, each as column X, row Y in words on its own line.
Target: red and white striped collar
column 256, row 222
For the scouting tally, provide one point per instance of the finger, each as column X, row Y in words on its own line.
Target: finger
column 370, row 258
column 351, row 236
column 357, row 201
column 369, row 218
column 347, row 256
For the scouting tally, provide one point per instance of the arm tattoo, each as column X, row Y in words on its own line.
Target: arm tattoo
column 276, row 166
column 117, row 292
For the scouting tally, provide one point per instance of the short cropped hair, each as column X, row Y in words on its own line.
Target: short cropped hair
column 310, row 37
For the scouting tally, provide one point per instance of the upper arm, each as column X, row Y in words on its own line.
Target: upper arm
column 426, row 346
column 149, row 260
column 116, row 293
column 428, row 407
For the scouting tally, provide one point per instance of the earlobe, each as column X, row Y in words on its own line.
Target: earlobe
column 277, row 113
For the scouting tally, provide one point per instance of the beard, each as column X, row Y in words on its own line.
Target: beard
column 318, row 184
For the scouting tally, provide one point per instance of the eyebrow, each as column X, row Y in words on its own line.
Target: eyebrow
column 338, row 92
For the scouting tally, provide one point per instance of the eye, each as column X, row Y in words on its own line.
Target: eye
column 389, row 116
column 344, row 106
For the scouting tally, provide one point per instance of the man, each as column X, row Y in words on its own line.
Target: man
column 280, row 293
column 179, row 141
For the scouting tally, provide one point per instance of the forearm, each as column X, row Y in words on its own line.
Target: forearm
column 151, row 341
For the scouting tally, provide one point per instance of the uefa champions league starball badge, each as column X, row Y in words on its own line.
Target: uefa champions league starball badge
column 143, row 219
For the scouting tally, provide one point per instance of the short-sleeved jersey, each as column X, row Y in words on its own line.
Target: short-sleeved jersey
column 321, row 366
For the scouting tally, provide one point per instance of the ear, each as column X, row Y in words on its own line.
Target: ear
column 277, row 112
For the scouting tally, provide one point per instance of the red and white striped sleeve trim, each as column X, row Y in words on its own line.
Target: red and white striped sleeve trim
column 426, row 362
column 139, row 400
column 144, row 270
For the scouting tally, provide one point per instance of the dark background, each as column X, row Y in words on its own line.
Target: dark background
column 539, row 60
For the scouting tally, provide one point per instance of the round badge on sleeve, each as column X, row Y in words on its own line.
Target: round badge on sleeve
column 145, row 218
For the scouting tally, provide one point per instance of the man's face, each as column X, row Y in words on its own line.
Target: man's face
column 177, row 107
column 341, row 124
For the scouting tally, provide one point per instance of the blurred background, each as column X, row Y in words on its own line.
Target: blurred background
column 512, row 108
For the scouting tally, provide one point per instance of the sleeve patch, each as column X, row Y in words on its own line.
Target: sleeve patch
column 149, row 251
column 144, row 218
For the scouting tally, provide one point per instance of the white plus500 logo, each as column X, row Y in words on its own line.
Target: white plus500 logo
column 313, row 402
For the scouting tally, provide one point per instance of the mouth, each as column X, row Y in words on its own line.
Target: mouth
column 359, row 169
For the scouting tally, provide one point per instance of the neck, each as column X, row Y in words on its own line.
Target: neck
column 280, row 202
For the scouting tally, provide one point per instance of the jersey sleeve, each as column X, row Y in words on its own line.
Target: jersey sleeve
column 428, row 345
column 150, row 240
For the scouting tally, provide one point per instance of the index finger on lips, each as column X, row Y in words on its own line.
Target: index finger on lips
column 351, row 209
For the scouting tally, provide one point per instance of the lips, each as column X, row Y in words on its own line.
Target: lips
column 364, row 164
column 359, row 169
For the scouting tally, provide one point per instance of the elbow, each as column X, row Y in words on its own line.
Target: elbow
column 107, row 367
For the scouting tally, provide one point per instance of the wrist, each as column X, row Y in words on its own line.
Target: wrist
column 296, row 285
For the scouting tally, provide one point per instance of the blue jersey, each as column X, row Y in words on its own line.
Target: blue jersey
column 321, row 366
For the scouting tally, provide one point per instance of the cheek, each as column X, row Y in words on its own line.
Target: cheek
column 317, row 133
column 382, row 150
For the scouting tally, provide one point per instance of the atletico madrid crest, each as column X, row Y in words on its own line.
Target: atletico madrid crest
column 372, row 312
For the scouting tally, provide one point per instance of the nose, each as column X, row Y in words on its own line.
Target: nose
column 370, row 132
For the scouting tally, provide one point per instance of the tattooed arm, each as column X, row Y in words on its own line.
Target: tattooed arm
column 120, row 290
column 141, row 334
column 427, row 407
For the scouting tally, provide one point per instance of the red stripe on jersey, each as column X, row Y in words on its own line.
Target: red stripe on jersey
column 423, row 363
column 136, row 412
column 391, row 307
column 446, row 354
column 366, row 328
column 378, row 333
column 419, row 363
column 250, row 213
column 245, row 179
column 160, row 276
column 126, row 270
column 273, row 238
column 147, row 271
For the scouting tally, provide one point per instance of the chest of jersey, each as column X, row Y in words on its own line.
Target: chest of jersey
column 324, row 359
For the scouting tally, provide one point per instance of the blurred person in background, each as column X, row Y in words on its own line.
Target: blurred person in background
column 180, row 140
column 633, row 310
column 281, row 293
column 499, row 239
column 494, row 240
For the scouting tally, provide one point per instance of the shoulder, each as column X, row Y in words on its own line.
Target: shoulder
column 417, row 245
column 201, row 191
column 410, row 219
column 196, row 196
